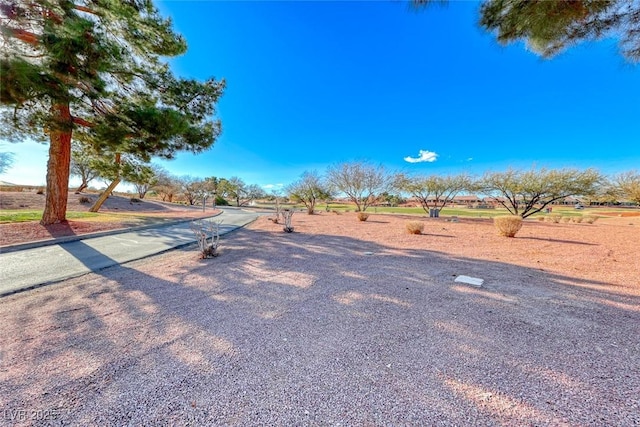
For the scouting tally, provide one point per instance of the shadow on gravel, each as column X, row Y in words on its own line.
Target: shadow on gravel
column 280, row 330
column 573, row 242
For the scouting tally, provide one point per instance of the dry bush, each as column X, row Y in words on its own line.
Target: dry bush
column 577, row 219
column 541, row 218
column 415, row 227
column 566, row 219
column 363, row 216
column 84, row 200
column 135, row 200
column 287, row 214
column 12, row 188
column 208, row 236
column 589, row 219
column 555, row 218
column 508, row 225
column 40, row 190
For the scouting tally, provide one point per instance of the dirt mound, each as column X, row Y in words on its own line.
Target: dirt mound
column 30, row 200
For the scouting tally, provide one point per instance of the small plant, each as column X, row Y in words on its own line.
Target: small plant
column 577, row 219
column 589, row 219
column 541, row 218
column 566, row 218
column 363, row 216
column 414, row 227
column 276, row 220
column 508, row 225
column 84, row 200
column 286, row 216
column 40, row 190
column 555, row 218
column 208, row 237
column 135, row 200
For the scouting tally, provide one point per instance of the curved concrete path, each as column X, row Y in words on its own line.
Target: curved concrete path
column 34, row 267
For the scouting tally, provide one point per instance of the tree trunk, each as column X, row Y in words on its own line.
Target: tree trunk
column 82, row 187
column 105, row 195
column 55, row 208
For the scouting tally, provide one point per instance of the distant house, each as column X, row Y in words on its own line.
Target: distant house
column 469, row 200
column 569, row 201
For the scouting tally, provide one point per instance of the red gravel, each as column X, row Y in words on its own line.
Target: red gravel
column 308, row 329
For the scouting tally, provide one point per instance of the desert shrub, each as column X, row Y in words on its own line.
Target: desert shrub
column 589, row 219
column 135, row 200
column 577, row 219
column 508, row 225
column 40, row 190
column 84, row 200
column 11, row 188
column 555, row 218
column 414, row 227
column 363, row 216
column 541, row 218
column 221, row 201
column 566, row 218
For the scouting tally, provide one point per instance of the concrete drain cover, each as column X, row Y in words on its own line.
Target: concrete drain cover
column 473, row 281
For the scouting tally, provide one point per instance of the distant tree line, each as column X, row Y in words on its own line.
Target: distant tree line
column 521, row 192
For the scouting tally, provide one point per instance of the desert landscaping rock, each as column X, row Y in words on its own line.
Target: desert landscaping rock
column 301, row 329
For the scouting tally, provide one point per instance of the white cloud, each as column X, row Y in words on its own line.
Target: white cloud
column 272, row 186
column 423, row 156
column 469, row 159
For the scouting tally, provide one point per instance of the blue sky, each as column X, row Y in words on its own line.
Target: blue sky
column 310, row 84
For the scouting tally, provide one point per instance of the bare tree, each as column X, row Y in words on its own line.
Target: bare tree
column 433, row 192
column 83, row 165
column 308, row 190
column 142, row 176
column 525, row 193
column 360, row 181
column 190, row 188
column 167, row 185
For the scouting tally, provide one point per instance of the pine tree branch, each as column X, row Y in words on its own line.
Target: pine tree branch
column 24, row 35
column 82, row 122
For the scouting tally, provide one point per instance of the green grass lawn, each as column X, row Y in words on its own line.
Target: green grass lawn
column 9, row 216
column 454, row 211
column 28, row 215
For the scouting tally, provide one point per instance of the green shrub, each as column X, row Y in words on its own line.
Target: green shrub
column 508, row 225
column 363, row 216
column 221, row 201
column 415, row 227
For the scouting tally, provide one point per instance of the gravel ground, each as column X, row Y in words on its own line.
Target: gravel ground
column 308, row 329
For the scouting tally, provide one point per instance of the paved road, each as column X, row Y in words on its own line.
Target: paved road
column 30, row 268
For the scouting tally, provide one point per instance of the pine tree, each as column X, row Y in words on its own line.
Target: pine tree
column 93, row 70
